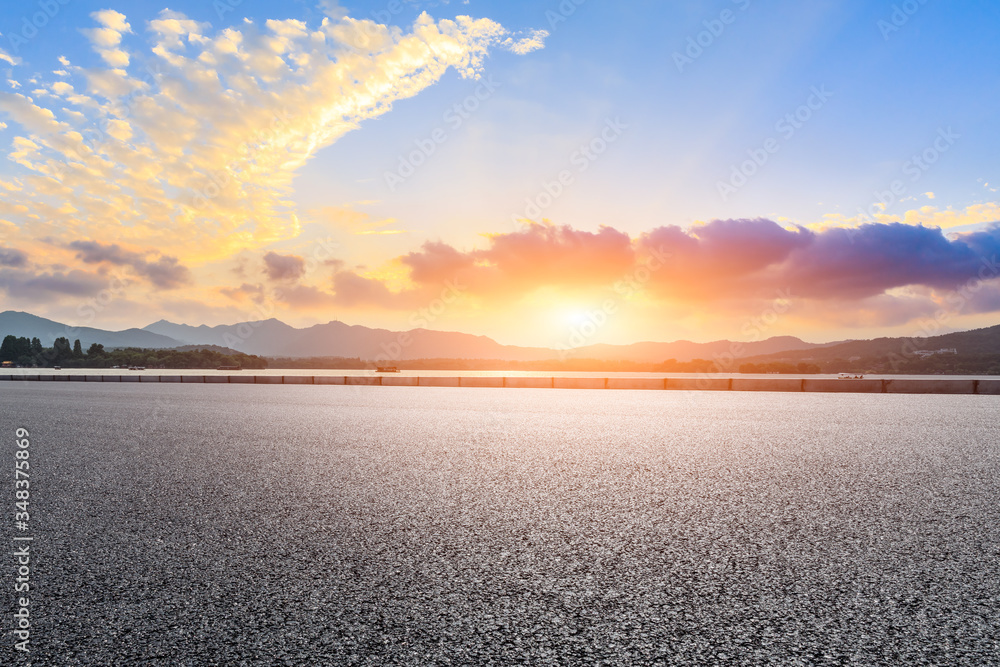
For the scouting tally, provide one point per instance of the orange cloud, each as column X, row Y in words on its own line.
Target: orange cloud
column 727, row 263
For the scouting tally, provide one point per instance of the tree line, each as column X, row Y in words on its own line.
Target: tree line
column 30, row 353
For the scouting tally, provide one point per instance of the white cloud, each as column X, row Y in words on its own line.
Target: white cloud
column 195, row 153
column 524, row 45
column 9, row 58
column 106, row 40
column 112, row 20
column 332, row 9
column 928, row 216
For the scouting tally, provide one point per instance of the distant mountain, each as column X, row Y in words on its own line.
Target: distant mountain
column 973, row 352
column 209, row 348
column 684, row 350
column 262, row 337
column 976, row 341
column 274, row 338
column 31, row 326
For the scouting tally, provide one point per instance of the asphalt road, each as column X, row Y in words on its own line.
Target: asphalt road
column 283, row 525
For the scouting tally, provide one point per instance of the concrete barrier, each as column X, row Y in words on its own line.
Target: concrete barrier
column 636, row 383
column 767, row 384
column 988, row 387
column 480, row 382
column 579, row 383
column 930, row 386
column 435, row 381
column 399, row 381
column 528, row 383
column 842, row 386
column 825, row 385
column 699, row 384
column 362, row 380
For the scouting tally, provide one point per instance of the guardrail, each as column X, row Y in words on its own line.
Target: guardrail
column 783, row 384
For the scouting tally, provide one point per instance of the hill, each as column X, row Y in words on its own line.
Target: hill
column 20, row 324
column 973, row 352
column 274, row 338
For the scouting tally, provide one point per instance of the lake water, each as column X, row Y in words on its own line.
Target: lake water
column 196, row 524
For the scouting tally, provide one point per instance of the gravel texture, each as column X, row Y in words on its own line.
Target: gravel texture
column 260, row 525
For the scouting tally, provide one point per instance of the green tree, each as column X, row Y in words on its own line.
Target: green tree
column 36, row 347
column 96, row 350
column 8, row 348
column 61, row 350
column 77, row 349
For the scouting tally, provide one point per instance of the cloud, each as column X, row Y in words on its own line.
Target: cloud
column 45, row 286
column 164, row 273
column 9, row 58
column 305, row 297
column 540, row 254
column 354, row 290
column 284, row 267
column 12, row 257
column 333, row 9
column 255, row 293
column 194, row 152
column 92, row 252
column 876, row 258
column 719, row 266
column 354, row 222
column 721, row 259
column 524, row 45
column 928, row 216
column 106, row 39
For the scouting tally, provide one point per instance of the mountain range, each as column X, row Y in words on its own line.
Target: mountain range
column 984, row 341
column 273, row 338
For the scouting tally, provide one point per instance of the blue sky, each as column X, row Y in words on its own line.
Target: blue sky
column 702, row 98
column 686, row 129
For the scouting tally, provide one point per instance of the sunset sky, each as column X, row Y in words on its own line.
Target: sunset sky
column 662, row 170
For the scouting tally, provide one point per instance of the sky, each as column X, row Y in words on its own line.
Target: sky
column 543, row 173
